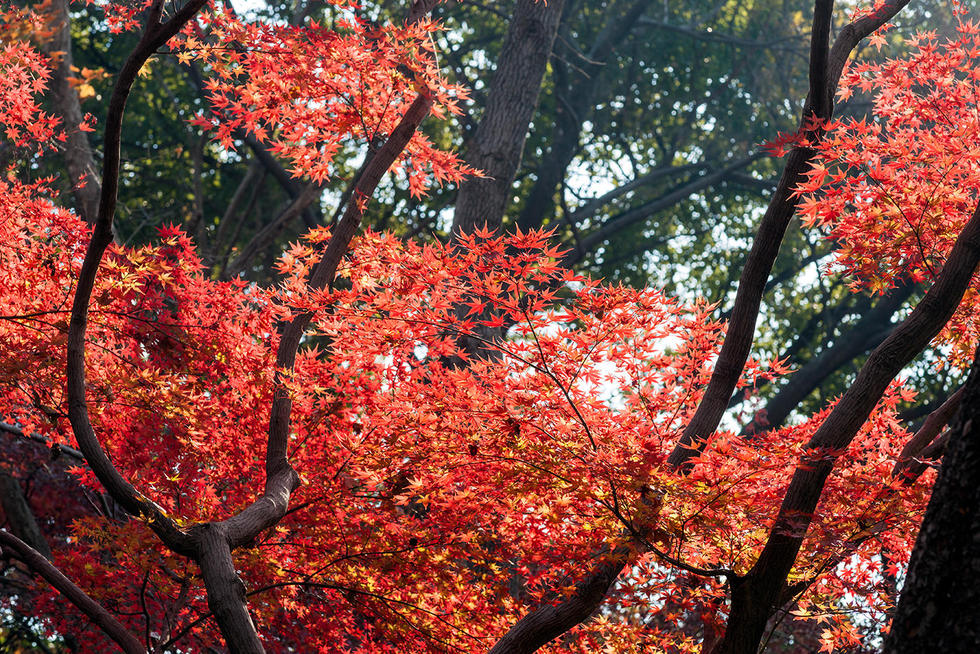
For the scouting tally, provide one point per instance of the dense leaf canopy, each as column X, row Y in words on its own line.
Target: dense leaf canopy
column 465, row 426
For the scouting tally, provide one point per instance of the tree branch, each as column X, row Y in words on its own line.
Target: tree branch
column 155, row 35
column 588, row 209
column 634, row 215
column 867, row 333
column 281, row 479
column 38, row 438
column 547, row 622
column 757, row 593
column 99, row 616
column 935, row 422
column 267, row 235
column 824, row 77
column 551, row 620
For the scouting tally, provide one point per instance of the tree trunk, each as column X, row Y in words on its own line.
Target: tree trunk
column 226, row 592
column 576, row 91
column 78, row 156
column 19, row 515
column 939, row 608
column 498, row 144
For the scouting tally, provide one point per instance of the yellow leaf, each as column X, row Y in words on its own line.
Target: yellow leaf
column 96, row 73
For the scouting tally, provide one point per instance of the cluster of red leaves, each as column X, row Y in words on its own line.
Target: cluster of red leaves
column 438, row 502
column 720, row 517
column 894, row 191
column 122, row 15
column 312, row 91
column 24, row 75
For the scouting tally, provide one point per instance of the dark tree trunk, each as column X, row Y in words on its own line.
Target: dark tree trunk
column 78, row 156
column 939, row 608
column 19, row 515
column 577, row 97
column 498, row 144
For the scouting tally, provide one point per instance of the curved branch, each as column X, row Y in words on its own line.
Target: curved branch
column 281, row 479
column 99, row 616
column 155, row 35
column 226, row 593
column 549, row 621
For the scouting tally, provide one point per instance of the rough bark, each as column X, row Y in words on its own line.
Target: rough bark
column 226, row 592
column 498, row 144
column 938, row 607
column 78, row 156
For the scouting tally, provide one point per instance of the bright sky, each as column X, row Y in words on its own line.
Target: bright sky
column 242, row 6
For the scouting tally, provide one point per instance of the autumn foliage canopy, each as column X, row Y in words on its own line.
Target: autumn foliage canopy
column 446, row 491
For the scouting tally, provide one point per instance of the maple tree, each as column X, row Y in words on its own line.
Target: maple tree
column 322, row 465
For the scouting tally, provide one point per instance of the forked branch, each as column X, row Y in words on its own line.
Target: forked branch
column 825, row 71
column 758, row 593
